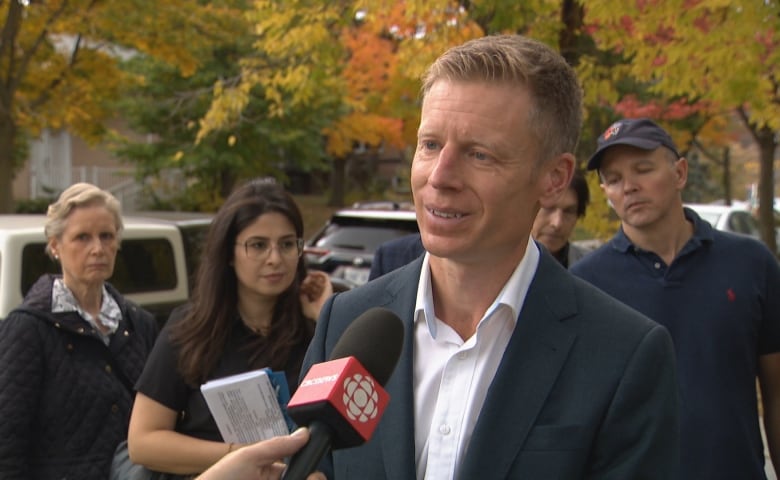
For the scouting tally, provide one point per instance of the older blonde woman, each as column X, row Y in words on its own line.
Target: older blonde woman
column 71, row 353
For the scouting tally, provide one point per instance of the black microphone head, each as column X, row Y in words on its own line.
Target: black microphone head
column 375, row 339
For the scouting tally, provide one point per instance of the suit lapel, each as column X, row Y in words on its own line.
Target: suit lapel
column 533, row 358
column 398, row 420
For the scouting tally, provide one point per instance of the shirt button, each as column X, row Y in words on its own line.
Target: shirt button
column 69, row 347
column 126, row 333
column 114, row 408
column 108, row 368
column 657, row 265
column 444, row 429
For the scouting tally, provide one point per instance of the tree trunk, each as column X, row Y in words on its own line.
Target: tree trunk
column 766, row 186
column 569, row 43
column 338, row 182
column 727, row 175
column 7, row 149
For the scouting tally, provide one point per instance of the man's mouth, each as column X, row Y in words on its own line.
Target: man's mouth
column 443, row 214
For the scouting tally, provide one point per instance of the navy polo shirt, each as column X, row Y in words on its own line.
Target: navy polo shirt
column 720, row 301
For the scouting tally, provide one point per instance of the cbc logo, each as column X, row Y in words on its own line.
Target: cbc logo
column 360, row 398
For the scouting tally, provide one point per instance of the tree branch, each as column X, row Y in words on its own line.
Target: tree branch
column 46, row 92
column 29, row 53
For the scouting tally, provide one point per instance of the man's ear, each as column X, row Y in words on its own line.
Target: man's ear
column 681, row 170
column 556, row 179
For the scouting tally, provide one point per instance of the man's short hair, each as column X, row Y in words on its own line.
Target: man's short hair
column 555, row 117
column 580, row 187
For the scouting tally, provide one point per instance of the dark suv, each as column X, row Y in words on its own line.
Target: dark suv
column 345, row 246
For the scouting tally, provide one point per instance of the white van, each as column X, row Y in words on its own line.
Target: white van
column 151, row 267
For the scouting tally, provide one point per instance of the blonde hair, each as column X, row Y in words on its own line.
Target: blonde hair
column 555, row 117
column 76, row 196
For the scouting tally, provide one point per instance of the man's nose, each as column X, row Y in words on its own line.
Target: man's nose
column 447, row 169
column 630, row 183
column 556, row 217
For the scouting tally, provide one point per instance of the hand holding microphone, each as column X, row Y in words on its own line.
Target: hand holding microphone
column 342, row 400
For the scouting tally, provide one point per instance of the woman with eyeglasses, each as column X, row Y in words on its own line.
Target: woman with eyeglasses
column 253, row 306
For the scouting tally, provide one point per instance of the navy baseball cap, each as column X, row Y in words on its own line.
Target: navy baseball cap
column 638, row 132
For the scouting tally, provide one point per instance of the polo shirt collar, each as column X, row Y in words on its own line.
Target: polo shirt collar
column 702, row 233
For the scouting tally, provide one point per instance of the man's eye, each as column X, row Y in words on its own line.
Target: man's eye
column 429, row 145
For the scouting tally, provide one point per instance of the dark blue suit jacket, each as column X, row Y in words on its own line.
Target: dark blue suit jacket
column 395, row 254
column 586, row 388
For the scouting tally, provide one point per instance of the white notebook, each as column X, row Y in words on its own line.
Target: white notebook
column 245, row 407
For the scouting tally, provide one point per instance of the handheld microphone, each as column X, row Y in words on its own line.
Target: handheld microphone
column 342, row 400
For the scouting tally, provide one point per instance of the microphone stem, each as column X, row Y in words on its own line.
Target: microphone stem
column 305, row 461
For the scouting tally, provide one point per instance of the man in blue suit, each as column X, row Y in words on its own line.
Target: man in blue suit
column 511, row 367
column 395, row 253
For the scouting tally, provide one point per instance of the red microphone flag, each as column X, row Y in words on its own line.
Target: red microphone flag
column 345, row 396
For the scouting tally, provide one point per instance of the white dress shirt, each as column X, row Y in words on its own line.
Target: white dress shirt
column 452, row 376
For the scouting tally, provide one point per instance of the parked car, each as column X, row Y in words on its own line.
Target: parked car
column 728, row 218
column 747, row 227
column 344, row 247
column 193, row 227
column 151, row 265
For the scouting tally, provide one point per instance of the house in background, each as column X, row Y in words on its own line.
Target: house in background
column 58, row 159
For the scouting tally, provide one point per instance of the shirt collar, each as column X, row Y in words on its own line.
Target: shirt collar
column 512, row 295
column 702, row 233
column 63, row 300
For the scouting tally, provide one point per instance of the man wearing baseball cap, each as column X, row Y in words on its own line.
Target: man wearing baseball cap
column 717, row 293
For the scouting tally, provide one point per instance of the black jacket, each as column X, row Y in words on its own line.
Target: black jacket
column 63, row 407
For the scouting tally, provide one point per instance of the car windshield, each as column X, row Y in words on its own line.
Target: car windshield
column 710, row 217
column 358, row 238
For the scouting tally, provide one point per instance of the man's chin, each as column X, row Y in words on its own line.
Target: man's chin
column 553, row 245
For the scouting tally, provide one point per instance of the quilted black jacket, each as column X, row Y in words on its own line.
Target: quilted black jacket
column 63, row 408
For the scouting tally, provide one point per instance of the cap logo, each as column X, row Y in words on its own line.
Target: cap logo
column 361, row 398
column 612, row 131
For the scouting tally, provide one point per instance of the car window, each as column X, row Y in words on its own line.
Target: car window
column 358, row 238
column 194, row 238
column 709, row 217
column 35, row 263
column 142, row 265
column 744, row 223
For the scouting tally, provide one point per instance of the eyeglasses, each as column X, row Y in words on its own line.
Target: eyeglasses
column 260, row 249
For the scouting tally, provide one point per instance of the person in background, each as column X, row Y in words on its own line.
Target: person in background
column 554, row 225
column 511, row 367
column 717, row 293
column 552, row 228
column 260, row 461
column 253, row 306
column 71, row 352
column 395, row 253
